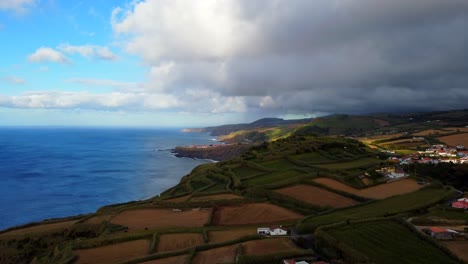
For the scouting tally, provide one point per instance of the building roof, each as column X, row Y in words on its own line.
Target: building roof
column 437, row 229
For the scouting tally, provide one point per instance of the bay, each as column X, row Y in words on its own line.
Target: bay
column 58, row 172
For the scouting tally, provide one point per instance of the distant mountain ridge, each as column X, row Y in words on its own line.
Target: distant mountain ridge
column 337, row 124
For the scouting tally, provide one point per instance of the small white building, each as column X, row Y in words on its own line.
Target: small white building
column 272, row 231
column 263, row 230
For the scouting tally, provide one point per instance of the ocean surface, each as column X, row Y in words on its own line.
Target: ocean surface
column 58, row 172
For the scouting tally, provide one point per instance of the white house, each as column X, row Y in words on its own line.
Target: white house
column 278, row 232
column 275, row 231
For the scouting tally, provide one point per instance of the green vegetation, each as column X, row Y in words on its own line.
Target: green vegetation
column 388, row 207
column 383, row 242
column 355, row 234
column 359, row 163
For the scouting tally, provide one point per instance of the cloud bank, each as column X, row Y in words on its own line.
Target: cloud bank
column 300, row 56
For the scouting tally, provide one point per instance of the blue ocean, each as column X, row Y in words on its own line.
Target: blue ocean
column 58, row 172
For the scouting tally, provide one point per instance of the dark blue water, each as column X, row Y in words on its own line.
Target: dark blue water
column 57, row 172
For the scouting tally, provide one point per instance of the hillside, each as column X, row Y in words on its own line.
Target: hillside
column 323, row 187
column 338, row 124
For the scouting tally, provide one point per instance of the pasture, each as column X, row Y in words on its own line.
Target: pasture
column 359, row 163
column 386, row 207
column 387, row 241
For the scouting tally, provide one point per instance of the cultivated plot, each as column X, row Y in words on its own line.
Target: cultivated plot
column 156, row 218
column 317, row 196
column 377, row 192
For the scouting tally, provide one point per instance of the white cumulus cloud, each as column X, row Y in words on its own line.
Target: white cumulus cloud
column 89, row 51
column 45, row 54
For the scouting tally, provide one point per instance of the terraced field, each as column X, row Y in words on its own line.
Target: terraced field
column 232, row 234
column 376, row 192
column 156, row 218
column 387, row 241
column 317, row 196
column 171, row 242
column 255, row 213
column 116, row 253
column 386, row 207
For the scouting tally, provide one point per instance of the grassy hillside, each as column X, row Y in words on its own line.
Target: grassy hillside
column 214, row 211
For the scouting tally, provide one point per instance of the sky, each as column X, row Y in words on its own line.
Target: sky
column 195, row 63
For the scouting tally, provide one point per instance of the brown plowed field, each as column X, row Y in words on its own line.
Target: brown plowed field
column 116, row 253
column 42, row 228
column 226, row 196
column 172, row 242
column 171, row 260
column 232, row 234
column 154, row 218
column 459, row 248
column 377, row 192
column 433, row 132
column 316, row 195
column 268, row 246
column 254, row 213
column 454, row 140
column 217, row 255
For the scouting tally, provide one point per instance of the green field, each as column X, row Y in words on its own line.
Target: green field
column 246, row 172
column 390, row 206
column 279, row 164
column 273, row 177
column 365, row 162
column 389, row 242
column 312, row 158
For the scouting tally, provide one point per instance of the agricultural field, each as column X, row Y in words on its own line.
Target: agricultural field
column 454, row 140
column 268, row 246
column 171, row 242
column 171, row 260
column 387, row 241
column 390, row 206
column 224, row 196
column 116, row 253
column 98, row 219
column 459, row 248
column 142, row 219
column 255, row 213
column 317, row 196
column 312, row 158
column 225, row 254
column 365, row 162
column 273, row 177
column 179, row 199
column 381, row 191
column 40, row 228
column 231, row 234
column 246, row 172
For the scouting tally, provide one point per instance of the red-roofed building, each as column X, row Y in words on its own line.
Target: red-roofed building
column 460, row 204
column 440, row 233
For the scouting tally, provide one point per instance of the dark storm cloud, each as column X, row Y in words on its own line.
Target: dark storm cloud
column 301, row 56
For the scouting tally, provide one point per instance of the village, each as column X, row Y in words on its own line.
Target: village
column 435, row 154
